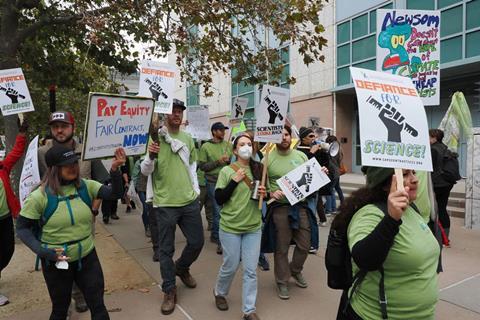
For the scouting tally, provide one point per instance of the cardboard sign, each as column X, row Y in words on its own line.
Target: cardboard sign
column 115, row 121
column 238, row 108
column 14, row 95
column 157, row 80
column 271, row 114
column 30, row 177
column 393, row 123
column 408, row 44
column 303, row 181
column 199, row 122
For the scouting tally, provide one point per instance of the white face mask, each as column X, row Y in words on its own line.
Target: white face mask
column 245, row 152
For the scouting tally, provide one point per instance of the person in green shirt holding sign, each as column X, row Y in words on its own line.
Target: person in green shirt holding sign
column 214, row 155
column 56, row 223
column 240, row 225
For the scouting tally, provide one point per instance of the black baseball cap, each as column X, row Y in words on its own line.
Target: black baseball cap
column 218, row 126
column 179, row 103
column 61, row 116
column 59, row 155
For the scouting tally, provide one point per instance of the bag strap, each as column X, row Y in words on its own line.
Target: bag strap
column 246, row 179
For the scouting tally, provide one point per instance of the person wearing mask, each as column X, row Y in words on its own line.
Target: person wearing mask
column 240, row 225
column 214, row 155
column 389, row 238
column 62, row 129
column 61, row 235
column 9, row 204
column 171, row 162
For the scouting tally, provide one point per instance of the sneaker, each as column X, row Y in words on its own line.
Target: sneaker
column 250, row 316
column 3, row 300
column 282, row 291
column 187, row 278
column 312, row 250
column 300, row 280
column 220, row 302
column 219, row 249
column 80, row 304
column 263, row 263
column 114, row 216
column 323, row 224
column 134, row 206
column 105, row 220
column 169, row 301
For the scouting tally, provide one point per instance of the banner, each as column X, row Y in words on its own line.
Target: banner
column 115, row 121
column 408, row 44
column 157, row 80
column 238, row 108
column 271, row 114
column 393, row 123
column 30, row 177
column 199, row 122
column 14, row 95
column 303, row 181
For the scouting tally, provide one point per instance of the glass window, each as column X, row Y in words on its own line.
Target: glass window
column 360, row 26
column 421, row 4
column 454, row 17
column 343, row 32
column 343, row 76
column 193, row 97
column 451, row 49
column 234, row 89
column 251, row 99
column 473, row 14
column 371, row 64
column 285, row 55
column 373, row 21
column 343, row 55
column 387, row 6
column 473, row 44
column 363, row 49
column 446, row 3
column 244, row 87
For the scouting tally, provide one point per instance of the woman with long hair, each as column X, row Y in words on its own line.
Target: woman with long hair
column 240, row 225
column 56, row 224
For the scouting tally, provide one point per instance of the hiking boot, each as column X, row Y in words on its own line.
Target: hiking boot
column 114, row 216
column 282, row 291
column 80, row 304
column 220, row 302
column 169, row 301
column 219, row 249
column 187, row 278
column 263, row 263
column 300, row 280
column 250, row 316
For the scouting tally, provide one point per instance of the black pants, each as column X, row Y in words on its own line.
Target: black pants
column 89, row 279
column 441, row 195
column 153, row 227
column 7, row 241
column 109, row 207
column 190, row 222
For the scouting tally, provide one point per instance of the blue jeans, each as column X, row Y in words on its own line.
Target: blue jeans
column 331, row 204
column 143, row 197
column 245, row 246
column 216, row 210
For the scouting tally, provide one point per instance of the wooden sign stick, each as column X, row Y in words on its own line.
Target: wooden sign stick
column 399, row 176
column 264, row 173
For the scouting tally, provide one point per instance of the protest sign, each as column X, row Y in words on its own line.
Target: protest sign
column 408, row 44
column 239, row 106
column 2, row 147
column 14, row 95
column 30, row 177
column 199, row 122
column 157, row 80
column 393, row 123
column 303, row 181
column 271, row 114
column 115, row 121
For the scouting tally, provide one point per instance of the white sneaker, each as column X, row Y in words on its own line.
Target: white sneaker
column 3, row 300
column 323, row 224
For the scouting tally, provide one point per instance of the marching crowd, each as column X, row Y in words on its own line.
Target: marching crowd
column 392, row 234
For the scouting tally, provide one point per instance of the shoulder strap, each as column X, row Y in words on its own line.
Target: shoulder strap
column 52, row 204
column 247, row 180
column 83, row 193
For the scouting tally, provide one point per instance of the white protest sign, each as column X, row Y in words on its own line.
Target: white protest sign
column 271, row 114
column 2, row 147
column 199, row 122
column 157, row 80
column 14, row 95
column 238, row 108
column 30, row 176
column 115, row 121
column 303, row 181
column 408, row 44
column 393, row 123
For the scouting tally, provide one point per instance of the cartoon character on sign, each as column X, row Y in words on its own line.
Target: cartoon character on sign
column 305, row 179
column 238, row 110
column 156, row 90
column 393, row 120
column 12, row 94
column 394, row 38
column 273, row 109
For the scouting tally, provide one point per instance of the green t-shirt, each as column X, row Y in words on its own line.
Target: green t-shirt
column 4, row 210
column 239, row 214
column 423, row 199
column 281, row 164
column 61, row 228
column 410, row 268
column 171, row 179
column 211, row 151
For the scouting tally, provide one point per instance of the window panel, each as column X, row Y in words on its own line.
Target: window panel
column 446, row 3
column 451, row 49
column 473, row 44
column 473, row 14
column 421, row 4
column 285, row 73
column 343, row 55
column 343, row 76
column 343, row 32
column 360, row 26
column 454, row 17
column 244, row 87
column 387, row 6
column 373, row 21
column 363, row 49
column 371, row 65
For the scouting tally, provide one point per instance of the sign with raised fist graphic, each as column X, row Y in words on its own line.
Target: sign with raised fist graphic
column 157, row 81
column 14, row 95
column 271, row 114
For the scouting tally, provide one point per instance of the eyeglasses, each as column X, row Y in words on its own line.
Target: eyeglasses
column 311, row 136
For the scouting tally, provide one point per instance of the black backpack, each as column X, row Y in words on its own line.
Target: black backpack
column 450, row 167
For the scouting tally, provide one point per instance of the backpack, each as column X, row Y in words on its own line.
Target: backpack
column 450, row 167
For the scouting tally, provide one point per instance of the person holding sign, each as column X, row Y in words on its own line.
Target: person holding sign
column 171, row 162
column 284, row 222
column 56, row 224
column 389, row 239
column 9, row 204
column 240, row 225
column 214, row 155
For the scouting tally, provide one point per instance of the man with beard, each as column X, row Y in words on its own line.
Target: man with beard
column 171, row 162
column 62, row 128
column 214, row 155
